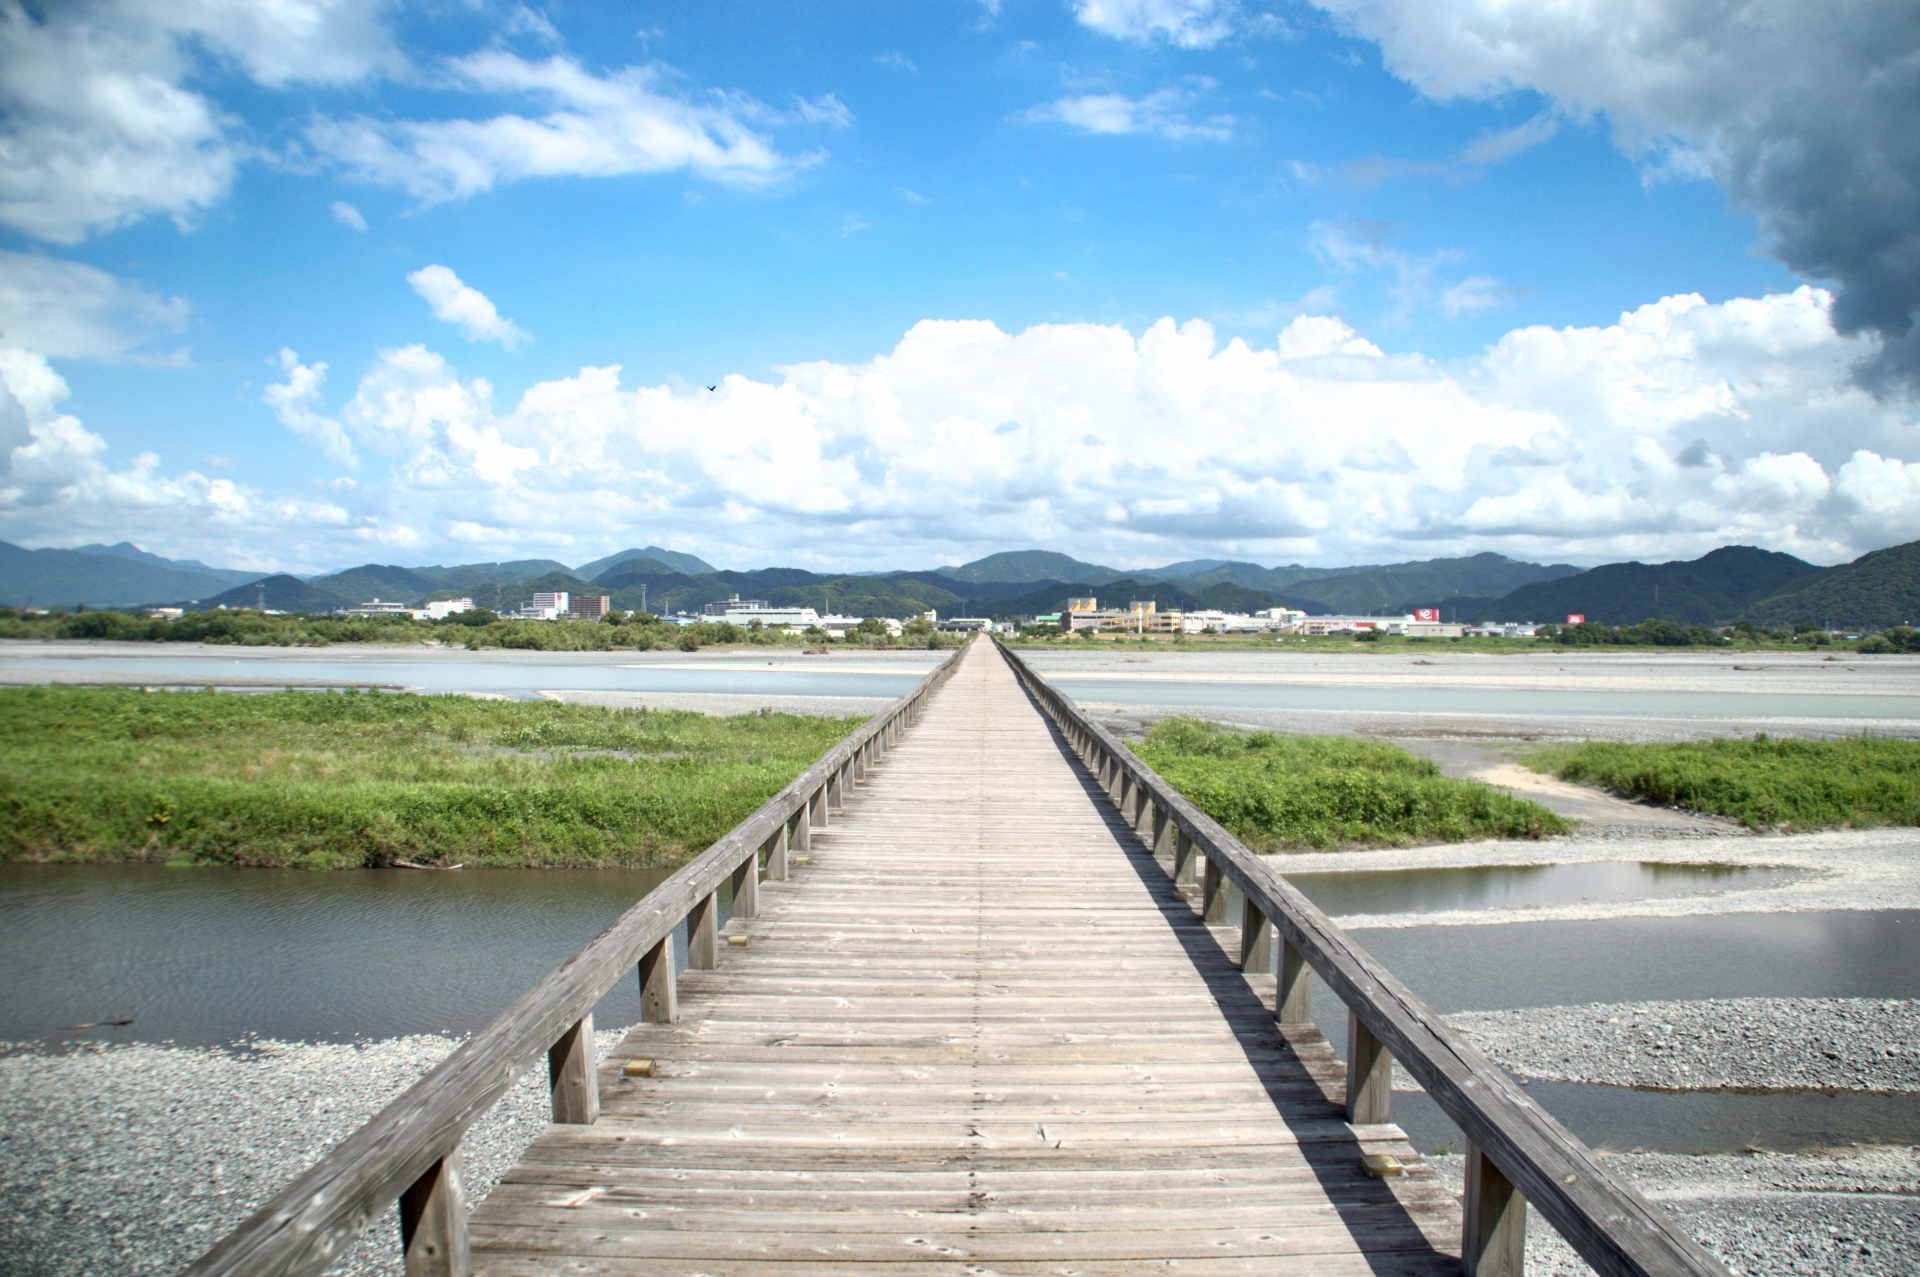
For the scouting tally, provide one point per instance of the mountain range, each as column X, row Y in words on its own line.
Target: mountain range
column 1879, row 589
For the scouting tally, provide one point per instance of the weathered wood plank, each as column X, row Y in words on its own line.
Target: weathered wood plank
column 1024, row 1050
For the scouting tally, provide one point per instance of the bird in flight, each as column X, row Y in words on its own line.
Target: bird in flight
column 713, row 387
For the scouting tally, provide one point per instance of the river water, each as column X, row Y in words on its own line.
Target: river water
column 213, row 956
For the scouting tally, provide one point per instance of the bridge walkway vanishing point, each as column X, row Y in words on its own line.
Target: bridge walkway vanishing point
column 978, row 1031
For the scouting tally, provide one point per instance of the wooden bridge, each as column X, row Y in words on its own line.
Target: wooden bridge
column 972, row 1014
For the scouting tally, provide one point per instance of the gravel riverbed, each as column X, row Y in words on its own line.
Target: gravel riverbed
column 1846, row 1213
column 1841, row 1044
column 135, row 1159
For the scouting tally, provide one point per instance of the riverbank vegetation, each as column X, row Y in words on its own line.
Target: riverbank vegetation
column 1277, row 793
column 473, row 630
column 332, row 780
column 1763, row 782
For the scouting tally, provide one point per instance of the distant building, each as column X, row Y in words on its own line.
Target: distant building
column 165, row 613
column 549, row 605
column 441, row 609
column 734, row 603
column 377, row 608
column 966, row 624
column 589, row 607
column 1322, row 625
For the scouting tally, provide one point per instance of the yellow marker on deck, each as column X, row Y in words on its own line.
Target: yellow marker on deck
column 1382, row 1165
column 638, row 1068
column 739, row 942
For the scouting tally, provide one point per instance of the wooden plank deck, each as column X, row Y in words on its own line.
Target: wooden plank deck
column 978, row 1033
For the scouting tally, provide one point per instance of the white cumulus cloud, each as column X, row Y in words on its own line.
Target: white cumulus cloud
column 1163, row 113
column 100, row 125
column 1189, row 24
column 1795, row 109
column 1683, row 426
column 466, row 308
column 74, row 311
column 296, row 402
column 347, row 215
column 591, row 126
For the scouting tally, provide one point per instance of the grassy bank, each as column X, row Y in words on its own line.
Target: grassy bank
column 1764, row 783
column 329, row 780
column 1288, row 792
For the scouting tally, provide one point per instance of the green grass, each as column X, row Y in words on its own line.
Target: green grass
column 330, row 780
column 1287, row 792
column 1764, row 783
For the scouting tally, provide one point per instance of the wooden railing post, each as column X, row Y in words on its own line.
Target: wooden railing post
column 1184, row 870
column 573, row 1075
column 703, row 933
column 817, row 808
column 1494, row 1240
column 1256, row 939
column 1162, row 832
column 777, row 852
column 659, row 992
column 1213, row 895
column 1369, row 1076
column 746, row 887
column 433, row 1222
column 1294, row 1002
column 800, row 829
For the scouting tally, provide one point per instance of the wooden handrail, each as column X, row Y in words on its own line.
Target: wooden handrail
column 307, row 1226
column 1613, row 1228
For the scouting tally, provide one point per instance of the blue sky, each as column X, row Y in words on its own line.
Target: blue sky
column 470, row 213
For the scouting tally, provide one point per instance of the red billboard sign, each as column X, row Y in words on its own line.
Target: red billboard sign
column 1576, row 618
column 1426, row 614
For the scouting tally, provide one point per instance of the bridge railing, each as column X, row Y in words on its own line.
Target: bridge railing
column 1516, row 1152
column 410, row 1151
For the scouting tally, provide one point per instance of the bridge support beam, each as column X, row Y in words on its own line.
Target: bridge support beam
column 1369, row 1076
column 1213, row 896
column 746, row 887
column 659, row 993
column 573, row 1075
column 433, row 1222
column 777, row 853
column 1494, row 1241
column 1294, row 1002
column 703, row 933
column 1256, row 940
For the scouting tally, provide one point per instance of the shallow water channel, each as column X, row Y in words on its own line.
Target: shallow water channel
column 212, row 956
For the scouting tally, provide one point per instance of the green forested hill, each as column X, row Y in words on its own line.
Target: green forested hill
column 1716, row 587
column 1030, row 565
column 103, row 578
column 1874, row 591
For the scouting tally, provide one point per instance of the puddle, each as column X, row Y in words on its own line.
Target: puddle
column 1383, row 891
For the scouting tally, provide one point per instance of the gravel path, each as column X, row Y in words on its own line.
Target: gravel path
column 1847, row 1044
column 135, row 1159
column 1852, row 1213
